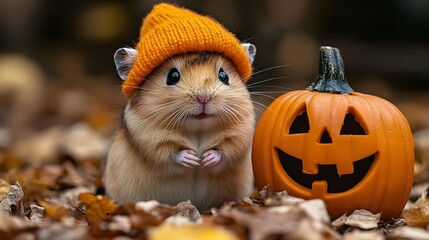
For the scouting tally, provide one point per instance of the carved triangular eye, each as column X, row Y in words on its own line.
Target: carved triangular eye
column 301, row 123
column 351, row 126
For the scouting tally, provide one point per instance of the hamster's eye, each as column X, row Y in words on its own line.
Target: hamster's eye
column 173, row 76
column 223, row 76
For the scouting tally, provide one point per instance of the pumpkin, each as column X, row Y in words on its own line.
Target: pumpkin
column 352, row 150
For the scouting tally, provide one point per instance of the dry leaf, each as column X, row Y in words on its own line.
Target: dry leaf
column 147, row 206
column 363, row 235
column 56, row 212
column 57, row 231
column 417, row 216
column 120, row 223
column 15, row 198
column 4, row 190
column 339, row 222
column 263, row 224
column 11, row 224
column 187, row 232
column 316, row 210
column 97, row 208
column 362, row 219
column 409, row 233
column 37, row 212
column 186, row 214
column 71, row 177
column 81, row 142
column 281, row 198
column 40, row 148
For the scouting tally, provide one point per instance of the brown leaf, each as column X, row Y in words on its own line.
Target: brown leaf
column 98, row 208
column 263, row 224
column 54, row 211
column 80, row 141
column 417, row 216
column 71, row 177
column 10, row 225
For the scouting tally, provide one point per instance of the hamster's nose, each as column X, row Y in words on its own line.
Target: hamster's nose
column 203, row 98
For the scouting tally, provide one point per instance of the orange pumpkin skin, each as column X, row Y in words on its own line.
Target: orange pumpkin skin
column 384, row 188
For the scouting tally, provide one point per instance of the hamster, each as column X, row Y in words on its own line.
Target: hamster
column 185, row 134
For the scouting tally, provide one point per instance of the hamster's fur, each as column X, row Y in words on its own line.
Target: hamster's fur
column 185, row 141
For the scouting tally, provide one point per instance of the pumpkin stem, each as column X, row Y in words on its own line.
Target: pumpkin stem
column 330, row 78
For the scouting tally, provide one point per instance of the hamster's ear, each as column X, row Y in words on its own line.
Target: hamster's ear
column 250, row 50
column 124, row 60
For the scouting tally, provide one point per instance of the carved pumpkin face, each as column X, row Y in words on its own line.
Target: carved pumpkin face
column 352, row 150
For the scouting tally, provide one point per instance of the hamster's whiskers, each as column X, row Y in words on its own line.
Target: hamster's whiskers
column 163, row 112
column 271, row 86
column 268, row 69
column 173, row 120
column 266, row 80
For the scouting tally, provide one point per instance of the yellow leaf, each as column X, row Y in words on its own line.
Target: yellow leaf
column 4, row 189
column 188, row 232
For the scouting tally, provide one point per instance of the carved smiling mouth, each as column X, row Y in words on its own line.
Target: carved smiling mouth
column 328, row 173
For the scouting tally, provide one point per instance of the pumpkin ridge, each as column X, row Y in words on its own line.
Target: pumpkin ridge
column 398, row 118
column 374, row 103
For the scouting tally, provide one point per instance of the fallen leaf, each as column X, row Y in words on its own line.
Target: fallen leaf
column 120, row 223
column 362, row 219
column 71, row 178
column 190, row 232
column 56, row 212
column 15, row 198
column 339, row 222
column 417, row 216
column 97, row 208
column 263, row 224
column 363, row 235
column 37, row 212
column 186, row 214
column 281, row 198
column 39, row 148
column 57, row 231
column 10, row 224
column 409, row 233
column 81, row 142
column 4, row 190
column 316, row 210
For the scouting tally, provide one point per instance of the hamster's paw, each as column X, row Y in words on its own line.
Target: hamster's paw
column 211, row 157
column 188, row 158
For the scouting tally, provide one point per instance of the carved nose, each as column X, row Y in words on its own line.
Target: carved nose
column 203, row 98
column 325, row 138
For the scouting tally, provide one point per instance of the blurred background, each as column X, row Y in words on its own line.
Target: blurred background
column 57, row 70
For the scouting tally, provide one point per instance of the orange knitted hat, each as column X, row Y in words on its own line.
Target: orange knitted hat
column 169, row 30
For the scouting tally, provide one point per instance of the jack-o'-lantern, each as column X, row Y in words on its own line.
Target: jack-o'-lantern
column 353, row 150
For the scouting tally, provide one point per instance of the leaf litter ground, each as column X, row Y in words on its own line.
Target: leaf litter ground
column 63, row 198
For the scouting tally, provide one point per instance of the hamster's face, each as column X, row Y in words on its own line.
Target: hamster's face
column 194, row 92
